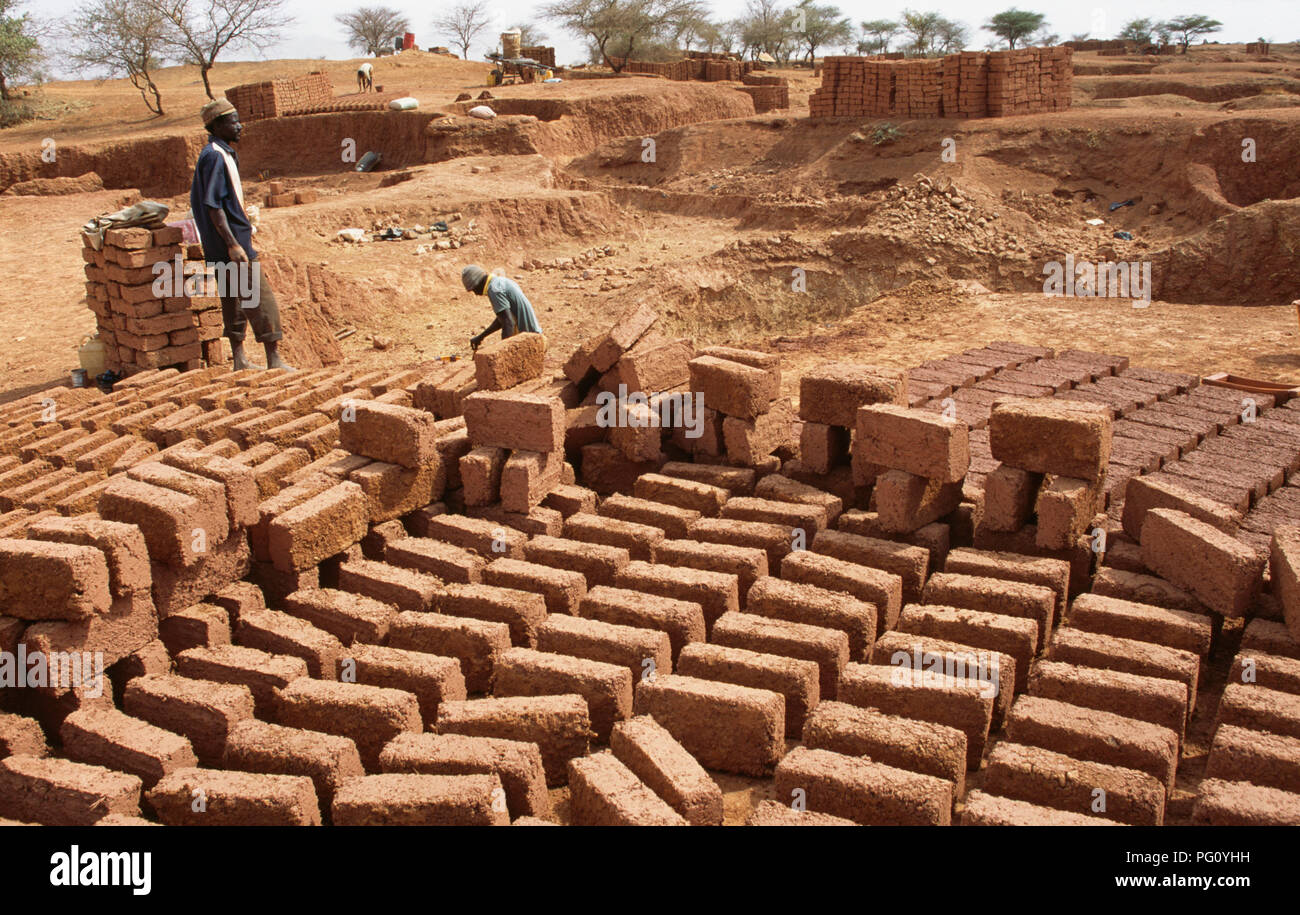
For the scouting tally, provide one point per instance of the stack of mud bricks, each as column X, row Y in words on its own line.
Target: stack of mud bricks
column 280, row 195
column 969, row 84
column 279, row 97
column 1051, row 476
column 1257, row 47
column 648, row 368
column 516, row 437
column 747, row 422
column 770, row 93
column 543, row 55
column 141, row 328
column 716, row 71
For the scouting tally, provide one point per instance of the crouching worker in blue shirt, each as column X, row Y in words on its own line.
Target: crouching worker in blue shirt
column 514, row 313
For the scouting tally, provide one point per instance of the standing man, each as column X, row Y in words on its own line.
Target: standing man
column 365, row 78
column 217, row 202
column 514, row 313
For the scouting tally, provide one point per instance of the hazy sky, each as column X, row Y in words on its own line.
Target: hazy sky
column 316, row 34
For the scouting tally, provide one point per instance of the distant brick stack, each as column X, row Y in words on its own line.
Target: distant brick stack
column 278, row 97
column 1257, row 47
column 969, row 84
column 543, row 55
column 691, row 68
column 1098, row 44
column 770, row 93
column 145, row 321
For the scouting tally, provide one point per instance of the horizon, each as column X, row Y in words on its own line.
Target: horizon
column 316, row 35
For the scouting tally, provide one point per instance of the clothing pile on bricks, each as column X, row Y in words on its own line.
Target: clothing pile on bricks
column 351, row 597
column 969, row 84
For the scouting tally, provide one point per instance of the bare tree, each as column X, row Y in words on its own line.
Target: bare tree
column 203, row 29
column 530, row 36
column 466, row 21
column 372, row 29
column 121, row 38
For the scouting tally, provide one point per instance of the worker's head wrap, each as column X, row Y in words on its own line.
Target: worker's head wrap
column 472, row 276
column 215, row 109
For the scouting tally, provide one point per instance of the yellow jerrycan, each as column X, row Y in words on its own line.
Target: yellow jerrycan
column 93, row 355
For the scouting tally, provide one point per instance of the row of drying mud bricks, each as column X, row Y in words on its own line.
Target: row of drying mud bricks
column 278, row 97
column 140, row 328
column 969, row 84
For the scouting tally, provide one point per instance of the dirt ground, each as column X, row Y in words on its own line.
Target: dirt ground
column 905, row 257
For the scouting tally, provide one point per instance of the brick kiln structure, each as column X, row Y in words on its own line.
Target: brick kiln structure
column 153, row 308
column 434, row 597
column 971, row 84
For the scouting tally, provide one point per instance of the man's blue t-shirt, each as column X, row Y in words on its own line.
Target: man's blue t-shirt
column 212, row 187
column 504, row 293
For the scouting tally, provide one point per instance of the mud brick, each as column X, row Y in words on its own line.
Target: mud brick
column 605, row 792
column 990, row 595
column 1284, row 572
column 578, row 367
column 1170, row 442
column 959, row 702
column 795, row 679
column 746, row 563
column 106, row 737
column 651, row 753
column 239, row 482
column 815, row 606
column 480, row 474
column 1263, row 478
column 328, row 760
column 909, row 650
column 1267, row 760
column 475, row 643
column 910, row 563
column 525, row 422
column 1048, row 437
column 733, row 388
column 505, row 363
column 518, row 765
column 523, row 611
column 122, row 545
column 1073, row 646
column 1065, row 783
column 235, row 799
column 654, row 517
column 320, row 441
column 1239, row 803
column 598, row 563
column 134, row 239
column 393, row 490
column 776, row 813
column 724, row 726
column 557, row 724
column 913, row 441
column 1142, row 622
column 563, row 589
column 349, row 617
column 20, row 736
column 656, row 366
column 324, row 525
column 823, row 447
column 1144, row 493
column 1065, row 506
column 271, row 508
column 282, row 633
column 430, row 678
column 865, row 791
column 402, row 588
column 1235, row 498
column 639, row 540
column 1050, row 573
column 202, row 625
column 258, row 670
column 903, row 743
column 389, row 433
column 626, row 646
column 483, row 537
column 67, row 455
column 1144, row 589
column 828, row 648
column 1260, row 709
column 1225, row 575
column 200, row 710
column 749, row 441
column 527, row 477
column 44, row 580
column 59, row 792
column 738, row 481
column 627, row 330
column 778, row 488
column 369, row 715
column 447, row 562
column 607, row 688
column 809, row 518
column 682, row 620
column 832, row 394
column 1270, row 638
column 1269, row 671
column 1241, row 445
column 716, row 593
column 271, row 474
column 906, row 502
column 881, row 589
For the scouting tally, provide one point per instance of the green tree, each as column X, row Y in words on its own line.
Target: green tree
column 619, row 28
column 371, row 29
column 121, row 38
column 1189, row 27
column 1140, row 31
column 876, row 35
column 818, row 26
column 20, row 51
column 1012, row 25
column 922, row 29
column 952, row 36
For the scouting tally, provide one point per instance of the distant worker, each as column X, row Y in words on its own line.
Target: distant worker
column 365, row 78
column 514, row 313
column 217, row 204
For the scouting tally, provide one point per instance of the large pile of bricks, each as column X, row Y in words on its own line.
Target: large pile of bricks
column 702, row 68
column 153, row 308
column 770, row 93
column 304, row 618
column 278, row 97
column 543, row 55
column 969, row 84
